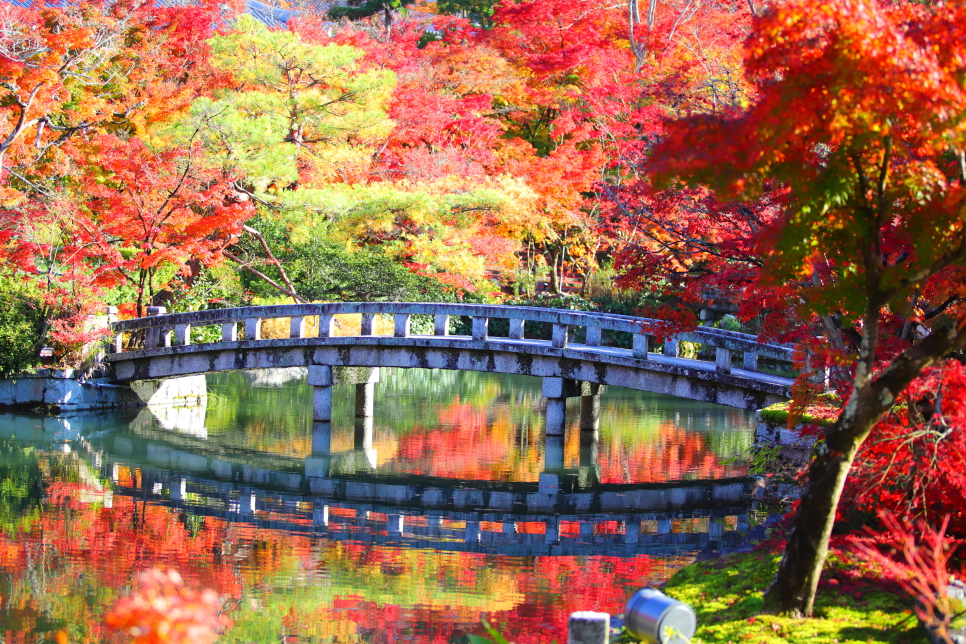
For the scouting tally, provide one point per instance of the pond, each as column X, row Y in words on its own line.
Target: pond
column 222, row 495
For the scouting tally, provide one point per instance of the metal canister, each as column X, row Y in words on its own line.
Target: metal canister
column 652, row 616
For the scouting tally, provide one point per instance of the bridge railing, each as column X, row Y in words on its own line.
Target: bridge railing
column 162, row 330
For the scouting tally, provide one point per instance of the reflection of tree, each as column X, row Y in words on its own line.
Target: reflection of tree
column 486, row 427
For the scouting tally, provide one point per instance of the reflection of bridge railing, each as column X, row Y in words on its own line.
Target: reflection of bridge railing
column 619, row 532
column 167, row 349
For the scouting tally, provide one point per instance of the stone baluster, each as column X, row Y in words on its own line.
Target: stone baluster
column 640, row 346
column 560, row 337
column 517, row 328
column 722, row 360
column 325, row 325
column 395, row 524
column 593, row 336
column 320, row 516
column 253, row 328
column 401, row 325
column 552, row 534
column 671, row 347
column 296, row 327
column 481, row 327
column 749, row 361
column 182, row 335
column 153, row 335
column 117, row 341
column 367, row 324
column 229, row 331
column 472, row 532
column 441, row 324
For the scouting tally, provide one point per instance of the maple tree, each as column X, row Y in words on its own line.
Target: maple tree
column 858, row 118
column 147, row 213
column 72, row 73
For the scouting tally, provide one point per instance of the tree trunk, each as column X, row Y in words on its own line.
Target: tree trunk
column 793, row 589
column 796, row 582
column 554, row 277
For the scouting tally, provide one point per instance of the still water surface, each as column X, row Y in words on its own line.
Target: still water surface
column 87, row 502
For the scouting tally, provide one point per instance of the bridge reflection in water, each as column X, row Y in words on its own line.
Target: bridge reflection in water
column 343, row 494
column 453, row 477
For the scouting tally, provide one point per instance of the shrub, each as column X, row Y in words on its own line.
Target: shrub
column 21, row 326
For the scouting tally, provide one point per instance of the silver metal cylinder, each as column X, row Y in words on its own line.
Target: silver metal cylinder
column 652, row 616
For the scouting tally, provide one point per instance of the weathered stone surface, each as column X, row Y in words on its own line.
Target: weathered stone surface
column 588, row 627
column 67, row 391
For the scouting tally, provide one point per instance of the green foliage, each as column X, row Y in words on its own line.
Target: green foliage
column 726, row 595
column 322, row 269
column 300, row 111
column 358, row 9
column 21, row 326
column 479, row 11
column 21, row 491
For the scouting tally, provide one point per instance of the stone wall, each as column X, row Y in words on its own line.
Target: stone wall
column 65, row 390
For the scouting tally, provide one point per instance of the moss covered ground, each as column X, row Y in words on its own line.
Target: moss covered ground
column 851, row 606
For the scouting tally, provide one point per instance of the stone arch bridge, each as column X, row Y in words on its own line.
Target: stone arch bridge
column 234, row 341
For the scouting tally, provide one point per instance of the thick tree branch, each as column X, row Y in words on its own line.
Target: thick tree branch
column 262, row 276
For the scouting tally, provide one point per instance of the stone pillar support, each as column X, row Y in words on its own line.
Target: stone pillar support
column 553, row 453
column 363, row 434
column 722, row 360
column 320, row 377
column 555, row 416
column 589, row 446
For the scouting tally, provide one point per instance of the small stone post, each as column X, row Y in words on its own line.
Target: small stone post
column 152, row 335
column 588, row 627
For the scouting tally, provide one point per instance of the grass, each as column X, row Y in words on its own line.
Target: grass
column 726, row 594
column 822, row 413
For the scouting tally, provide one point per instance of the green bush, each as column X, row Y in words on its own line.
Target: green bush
column 21, row 326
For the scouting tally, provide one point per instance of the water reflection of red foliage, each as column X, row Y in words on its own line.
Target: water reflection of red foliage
column 466, row 444
column 675, row 454
column 89, row 550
